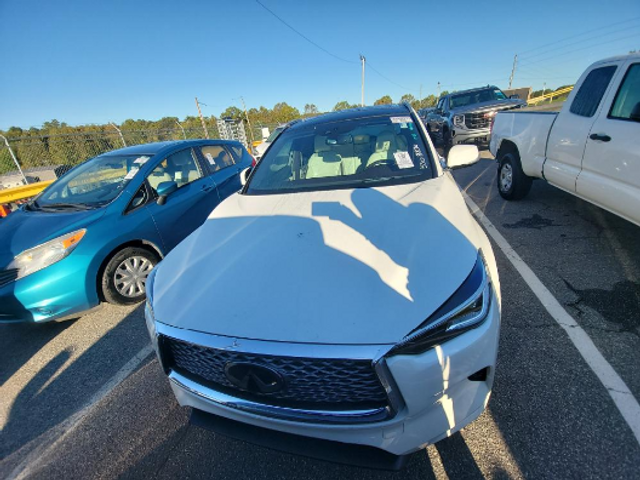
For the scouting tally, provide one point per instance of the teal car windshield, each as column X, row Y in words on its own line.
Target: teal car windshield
column 364, row 152
column 95, row 183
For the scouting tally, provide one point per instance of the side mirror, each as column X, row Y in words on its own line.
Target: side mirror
column 164, row 190
column 515, row 96
column 244, row 175
column 462, row 156
column 635, row 113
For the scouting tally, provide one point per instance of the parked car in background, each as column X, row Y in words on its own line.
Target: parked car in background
column 262, row 147
column 465, row 117
column 96, row 233
column 377, row 318
column 589, row 149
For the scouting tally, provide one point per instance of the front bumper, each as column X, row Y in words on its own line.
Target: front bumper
column 438, row 398
column 53, row 293
column 471, row 137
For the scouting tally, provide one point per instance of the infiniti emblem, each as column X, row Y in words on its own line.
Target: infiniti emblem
column 254, row 378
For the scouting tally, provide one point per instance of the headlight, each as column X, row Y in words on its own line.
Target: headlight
column 466, row 309
column 48, row 253
column 458, row 120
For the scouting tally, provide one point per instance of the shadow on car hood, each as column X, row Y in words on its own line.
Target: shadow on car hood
column 362, row 266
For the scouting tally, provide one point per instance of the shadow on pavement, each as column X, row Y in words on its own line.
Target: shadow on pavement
column 57, row 391
column 19, row 342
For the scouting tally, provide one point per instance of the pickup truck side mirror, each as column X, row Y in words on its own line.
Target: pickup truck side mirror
column 462, row 156
column 244, row 175
column 635, row 113
column 165, row 189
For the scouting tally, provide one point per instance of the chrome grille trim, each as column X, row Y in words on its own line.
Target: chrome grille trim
column 284, row 413
column 372, row 353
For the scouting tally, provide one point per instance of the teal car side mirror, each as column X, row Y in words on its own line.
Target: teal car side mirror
column 164, row 190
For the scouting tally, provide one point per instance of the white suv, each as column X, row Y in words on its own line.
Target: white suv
column 377, row 315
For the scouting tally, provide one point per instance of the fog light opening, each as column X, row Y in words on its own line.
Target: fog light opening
column 480, row 375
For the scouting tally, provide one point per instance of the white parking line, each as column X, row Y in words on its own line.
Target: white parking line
column 46, row 442
column 620, row 393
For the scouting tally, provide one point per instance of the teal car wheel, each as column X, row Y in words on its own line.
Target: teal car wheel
column 125, row 276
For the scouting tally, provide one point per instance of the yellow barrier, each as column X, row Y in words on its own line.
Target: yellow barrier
column 549, row 96
column 14, row 194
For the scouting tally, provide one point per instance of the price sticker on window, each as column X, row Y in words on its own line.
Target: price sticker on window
column 403, row 159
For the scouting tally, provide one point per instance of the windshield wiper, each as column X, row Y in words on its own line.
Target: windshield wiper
column 66, row 206
column 33, row 205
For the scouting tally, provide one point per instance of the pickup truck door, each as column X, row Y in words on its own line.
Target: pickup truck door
column 610, row 175
column 568, row 136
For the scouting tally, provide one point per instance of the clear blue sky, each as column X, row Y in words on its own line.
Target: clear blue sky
column 94, row 62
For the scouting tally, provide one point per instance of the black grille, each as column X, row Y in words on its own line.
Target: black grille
column 309, row 382
column 477, row 121
column 7, row 276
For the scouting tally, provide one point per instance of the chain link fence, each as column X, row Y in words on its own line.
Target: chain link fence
column 47, row 157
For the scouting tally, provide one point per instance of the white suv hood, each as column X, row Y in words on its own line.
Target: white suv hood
column 362, row 266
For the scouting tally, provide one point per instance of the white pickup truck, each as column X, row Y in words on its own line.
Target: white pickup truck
column 591, row 148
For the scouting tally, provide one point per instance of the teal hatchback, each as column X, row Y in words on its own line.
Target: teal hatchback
column 96, row 233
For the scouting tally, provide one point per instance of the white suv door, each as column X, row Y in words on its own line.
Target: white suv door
column 569, row 132
column 610, row 175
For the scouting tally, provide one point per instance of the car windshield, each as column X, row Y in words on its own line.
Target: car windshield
column 477, row 96
column 92, row 184
column 274, row 134
column 346, row 154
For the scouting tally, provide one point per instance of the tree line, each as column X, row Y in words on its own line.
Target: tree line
column 57, row 143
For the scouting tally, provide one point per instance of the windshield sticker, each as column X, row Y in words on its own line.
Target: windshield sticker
column 210, row 158
column 403, row 160
column 131, row 174
column 141, row 160
column 401, row 120
column 417, row 151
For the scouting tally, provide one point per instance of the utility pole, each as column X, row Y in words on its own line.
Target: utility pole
column 363, row 60
column 181, row 128
column 438, row 89
column 420, row 104
column 204, row 126
column 120, row 133
column 15, row 160
column 513, row 70
column 247, row 117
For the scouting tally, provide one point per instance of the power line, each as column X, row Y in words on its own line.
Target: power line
column 388, row 79
column 304, row 36
column 580, row 49
column 580, row 42
column 579, row 35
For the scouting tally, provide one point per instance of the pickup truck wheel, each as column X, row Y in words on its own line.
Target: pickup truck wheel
column 513, row 184
column 125, row 275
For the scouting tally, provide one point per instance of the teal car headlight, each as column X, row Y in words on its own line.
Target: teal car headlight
column 46, row 254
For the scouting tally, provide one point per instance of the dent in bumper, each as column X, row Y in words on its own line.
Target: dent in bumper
column 439, row 397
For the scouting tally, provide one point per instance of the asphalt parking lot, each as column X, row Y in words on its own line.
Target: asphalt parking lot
column 84, row 399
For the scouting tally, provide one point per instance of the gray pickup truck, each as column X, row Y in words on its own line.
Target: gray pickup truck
column 465, row 117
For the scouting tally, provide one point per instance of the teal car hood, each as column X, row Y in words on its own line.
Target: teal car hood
column 26, row 229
